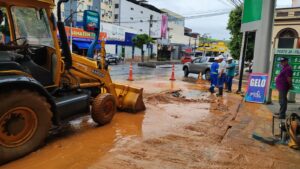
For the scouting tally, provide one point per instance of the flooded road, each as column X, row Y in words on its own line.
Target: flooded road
column 183, row 127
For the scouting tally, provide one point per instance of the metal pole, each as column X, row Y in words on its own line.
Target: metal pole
column 148, row 45
column 71, row 26
column 195, row 43
column 243, row 63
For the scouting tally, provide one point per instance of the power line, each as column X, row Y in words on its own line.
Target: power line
column 200, row 15
column 225, row 2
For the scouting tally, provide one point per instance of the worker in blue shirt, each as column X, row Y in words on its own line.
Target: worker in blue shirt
column 214, row 75
column 221, row 75
column 230, row 73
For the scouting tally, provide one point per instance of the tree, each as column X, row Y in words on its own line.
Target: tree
column 140, row 41
column 235, row 44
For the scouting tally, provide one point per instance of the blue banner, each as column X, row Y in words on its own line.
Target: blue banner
column 257, row 85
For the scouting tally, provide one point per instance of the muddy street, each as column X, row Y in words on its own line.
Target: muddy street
column 183, row 126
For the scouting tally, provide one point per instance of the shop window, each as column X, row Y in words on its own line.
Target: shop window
column 287, row 39
column 297, row 13
column 282, row 14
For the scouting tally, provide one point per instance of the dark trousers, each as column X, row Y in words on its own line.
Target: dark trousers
column 221, row 81
column 229, row 83
column 213, row 82
column 283, row 102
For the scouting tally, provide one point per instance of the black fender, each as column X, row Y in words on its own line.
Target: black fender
column 23, row 82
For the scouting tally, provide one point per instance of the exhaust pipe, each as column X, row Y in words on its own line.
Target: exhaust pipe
column 63, row 37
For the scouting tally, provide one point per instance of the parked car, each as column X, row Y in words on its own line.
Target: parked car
column 112, row 58
column 186, row 59
column 197, row 54
column 199, row 65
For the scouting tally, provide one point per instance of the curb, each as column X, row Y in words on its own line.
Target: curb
column 154, row 64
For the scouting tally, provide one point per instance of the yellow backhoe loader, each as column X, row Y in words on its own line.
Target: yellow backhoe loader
column 43, row 84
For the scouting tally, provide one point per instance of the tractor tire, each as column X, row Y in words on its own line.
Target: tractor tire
column 25, row 120
column 104, row 108
column 186, row 72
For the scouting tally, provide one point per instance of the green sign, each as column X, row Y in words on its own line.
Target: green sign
column 91, row 21
column 252, row 10
column 294, row 62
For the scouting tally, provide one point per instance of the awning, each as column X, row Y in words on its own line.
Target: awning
column 84, row 45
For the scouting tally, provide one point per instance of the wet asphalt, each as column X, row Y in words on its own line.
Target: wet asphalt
column 120, row 72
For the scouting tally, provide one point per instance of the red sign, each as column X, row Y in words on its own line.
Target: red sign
column 80, row 33
column 188, row 50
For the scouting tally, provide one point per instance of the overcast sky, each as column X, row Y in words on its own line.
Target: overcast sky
column 215, row 26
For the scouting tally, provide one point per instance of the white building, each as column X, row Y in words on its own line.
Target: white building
column 76, row 7
column 141, row 16
column 176, row 36
column 295, row 3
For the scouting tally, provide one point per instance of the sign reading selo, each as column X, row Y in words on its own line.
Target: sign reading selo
column 257, row 85
column 294, row 61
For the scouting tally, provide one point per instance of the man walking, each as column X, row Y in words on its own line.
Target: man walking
column 214, row 75
column 283, row 85
column 221, row 75
column 230, row 74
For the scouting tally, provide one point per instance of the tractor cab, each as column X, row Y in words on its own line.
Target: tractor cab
column 27, row 44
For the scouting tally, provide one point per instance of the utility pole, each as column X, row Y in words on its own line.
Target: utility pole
column 195, row 44
column 150, row 25
column 245, row 45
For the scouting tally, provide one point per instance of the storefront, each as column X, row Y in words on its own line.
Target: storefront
column 118, row 41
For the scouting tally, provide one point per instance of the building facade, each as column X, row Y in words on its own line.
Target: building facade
column 121, row 20
column 107, row 10
column 76, row 8
column 141, row 16
column 178, row 40
column 286, row 29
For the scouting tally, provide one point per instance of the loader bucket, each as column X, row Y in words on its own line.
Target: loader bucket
column 130, row 99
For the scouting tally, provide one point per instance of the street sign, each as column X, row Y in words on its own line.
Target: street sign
column 257, row 85
column 252, row 11
column 294, row 62
column 91, row 21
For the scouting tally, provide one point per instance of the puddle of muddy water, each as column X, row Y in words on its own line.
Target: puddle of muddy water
column 167, row 117
column 81, row 142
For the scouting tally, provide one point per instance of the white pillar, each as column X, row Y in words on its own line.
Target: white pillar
column 262, row 49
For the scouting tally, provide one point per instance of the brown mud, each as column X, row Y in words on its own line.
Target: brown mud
column 183, row 127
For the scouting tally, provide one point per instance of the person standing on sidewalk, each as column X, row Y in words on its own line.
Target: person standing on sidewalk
column 230, row 74
column 221, row 75
column 214, row 75
column 283, row 85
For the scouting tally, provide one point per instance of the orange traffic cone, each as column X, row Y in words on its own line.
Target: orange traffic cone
column 199, row 79
column 173, row 73
column 130, row 77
